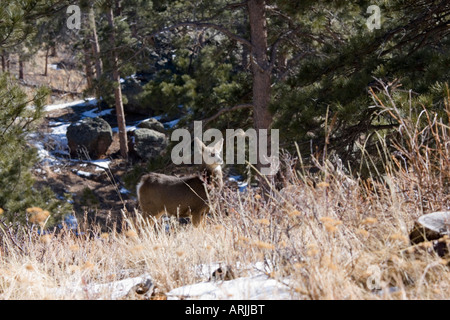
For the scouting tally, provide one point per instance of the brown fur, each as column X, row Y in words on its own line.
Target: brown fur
column 178, row 196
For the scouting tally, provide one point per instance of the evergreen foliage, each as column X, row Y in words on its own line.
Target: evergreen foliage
column 326, row 61
column 19, row 113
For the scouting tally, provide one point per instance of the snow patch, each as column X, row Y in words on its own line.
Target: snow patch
column 171, row 124
column 95, row 113
column 111, row 290
column 128, row 128
column 242, row 185
column 83, row 174
column 54, row 66
column 257, row 287
column 73, row 104
column 123, row 190
column 102, row 164
column 54, row 142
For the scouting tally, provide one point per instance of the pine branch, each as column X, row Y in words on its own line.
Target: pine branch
column 226, row 110
column 206, row 25
column 277, row 43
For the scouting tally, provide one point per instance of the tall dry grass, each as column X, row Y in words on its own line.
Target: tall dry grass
column 332, row 236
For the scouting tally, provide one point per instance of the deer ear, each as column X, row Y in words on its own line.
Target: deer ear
column 199, row 143
column 219, row 145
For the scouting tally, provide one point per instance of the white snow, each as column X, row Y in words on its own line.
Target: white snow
column 111, row 290
column 257, row 287
column 129, row 128
column 242, row 185
column 58, row 136
column 102, row 164
column 171, row 124
column 254, row 285
column 53, row 66
column 124, row 190
column 78, row 103
column 54, row 143
column 83, row 174
column 95, row 113
column 44, row 155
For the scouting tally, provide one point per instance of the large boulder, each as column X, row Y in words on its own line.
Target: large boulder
column 132, row 90
column 149, row 144
column 89, row 135
column 152, row 124
column 431, row 226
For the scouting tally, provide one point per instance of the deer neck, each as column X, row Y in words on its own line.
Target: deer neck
column 214, row 175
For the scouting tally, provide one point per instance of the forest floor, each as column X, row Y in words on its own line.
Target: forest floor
column 97, row 192
column 63, row 77
column 95, row 187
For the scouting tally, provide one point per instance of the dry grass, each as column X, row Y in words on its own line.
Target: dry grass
column 67, row 82
column 341, row 237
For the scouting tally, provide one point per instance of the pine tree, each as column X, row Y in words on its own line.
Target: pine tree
column 18, row 114
column 117, row 87
column 306, row 60
column 341, row 60
column 17, row 192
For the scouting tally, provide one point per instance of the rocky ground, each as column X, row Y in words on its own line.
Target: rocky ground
column 95, row 187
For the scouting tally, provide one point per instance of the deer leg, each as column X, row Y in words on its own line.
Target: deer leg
column 197, row 218
column 153, row 218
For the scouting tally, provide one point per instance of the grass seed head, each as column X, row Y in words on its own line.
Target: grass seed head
column 323, row 184
column 294, row 213
column 399, row 237
column 131, row 233
column 265, row 222
column 38, row 215
column 46, row 239
column 369, row 220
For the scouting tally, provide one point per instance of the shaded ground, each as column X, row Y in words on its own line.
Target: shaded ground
column 98, row 194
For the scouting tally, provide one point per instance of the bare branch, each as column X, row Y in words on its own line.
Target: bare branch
column 289, row 65
column 206, row 25
column 276, row 44
column 276, row 11
column 225, row 110
column 236, row 5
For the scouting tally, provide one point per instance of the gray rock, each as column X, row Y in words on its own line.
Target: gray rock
column 91, row 135
column 132, row 90
column 148, row 143
column 152, row 124
column 431, row 226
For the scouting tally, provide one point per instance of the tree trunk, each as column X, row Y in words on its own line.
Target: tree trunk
column 118, row 7
column 88, row 64
column 3, row 63
column 47, row 52
column 54, row 53
column 117, row 89
column 87, row 48
column 261, row 72
column 95, row 44
column 260, row 64
column 20, row 68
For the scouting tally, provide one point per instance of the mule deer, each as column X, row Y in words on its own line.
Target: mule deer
column 181, row 196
